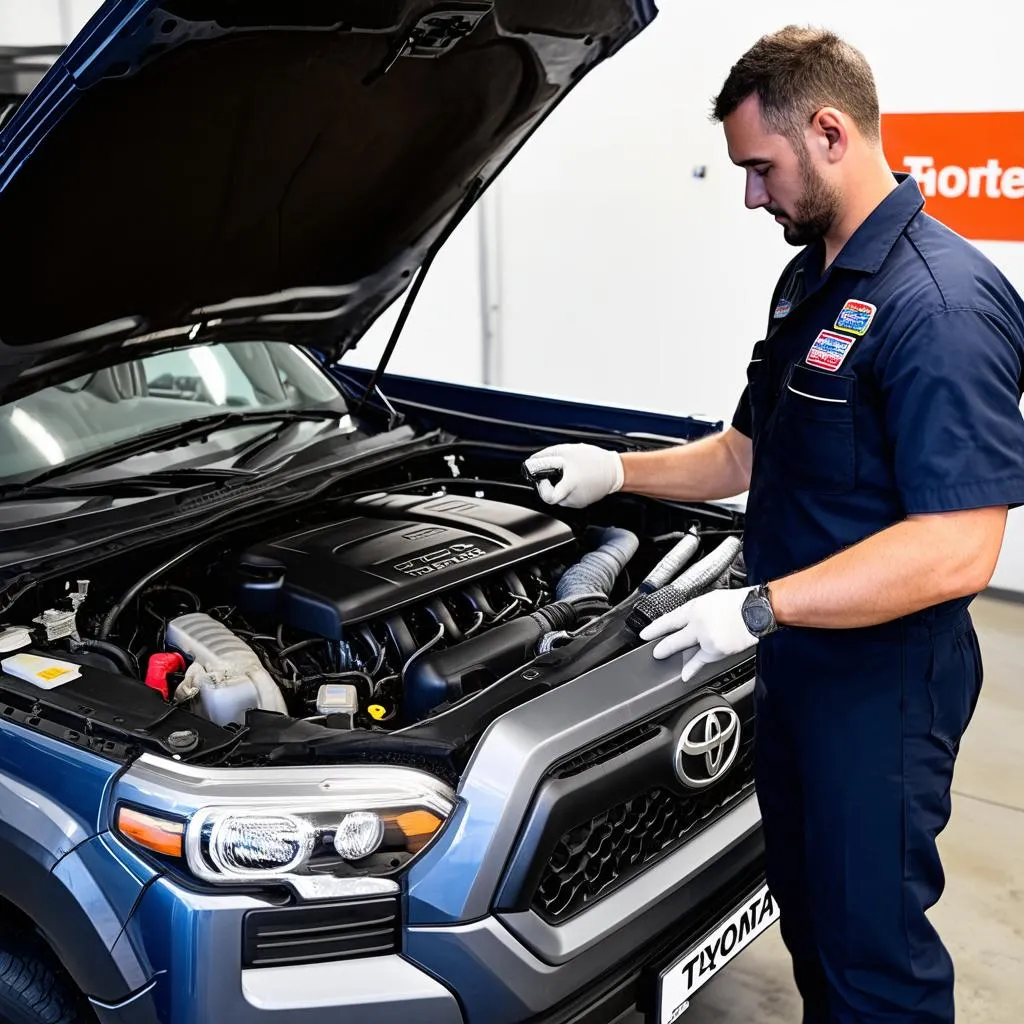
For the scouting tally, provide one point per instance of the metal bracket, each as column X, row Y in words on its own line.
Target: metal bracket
column 436, row 33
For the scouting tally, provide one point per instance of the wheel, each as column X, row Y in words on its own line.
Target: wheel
column 33, row 992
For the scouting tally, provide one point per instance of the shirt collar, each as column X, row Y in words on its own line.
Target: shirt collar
column 869, row 245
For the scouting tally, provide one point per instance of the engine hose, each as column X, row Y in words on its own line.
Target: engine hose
column 550, row 641
column 558, row 616
column 596, row 572
column 696, row 580
column 590, row 581
column 112, row 651
column 672, row 564
column 126, row 598
column 738, row 572
column 375, row 648
column 444, row 675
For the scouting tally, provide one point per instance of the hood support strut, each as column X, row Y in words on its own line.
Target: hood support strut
column 461, row 210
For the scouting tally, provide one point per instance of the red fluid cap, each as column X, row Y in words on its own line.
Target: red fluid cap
column 159, row 668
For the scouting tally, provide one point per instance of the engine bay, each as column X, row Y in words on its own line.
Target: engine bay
column 370, row 615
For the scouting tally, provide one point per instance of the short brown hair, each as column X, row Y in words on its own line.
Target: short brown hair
column 794, row 73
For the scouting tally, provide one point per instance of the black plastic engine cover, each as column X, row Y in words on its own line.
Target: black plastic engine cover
column 394, row 551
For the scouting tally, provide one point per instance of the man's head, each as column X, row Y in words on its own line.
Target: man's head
column 800, row 111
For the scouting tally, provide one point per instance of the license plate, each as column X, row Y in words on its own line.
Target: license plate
column 699, row 964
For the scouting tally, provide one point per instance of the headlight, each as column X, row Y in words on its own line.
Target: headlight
column 344, row 835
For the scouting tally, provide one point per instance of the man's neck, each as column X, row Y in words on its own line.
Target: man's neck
column 863, row 198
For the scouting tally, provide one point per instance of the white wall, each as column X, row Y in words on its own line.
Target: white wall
column 623, row 277
column 30, row 23
column 42, row 22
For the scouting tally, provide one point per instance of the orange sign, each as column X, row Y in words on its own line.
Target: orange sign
column 970, row 168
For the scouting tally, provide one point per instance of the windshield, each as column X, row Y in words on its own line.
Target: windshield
column 88, row 414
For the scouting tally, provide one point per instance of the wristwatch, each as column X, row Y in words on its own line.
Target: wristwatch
column 757, row 612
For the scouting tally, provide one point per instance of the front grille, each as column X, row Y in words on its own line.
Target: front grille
column 315, row 934
column 603, row 752
column 596, row 857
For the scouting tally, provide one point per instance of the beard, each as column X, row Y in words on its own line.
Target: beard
column 816, row 210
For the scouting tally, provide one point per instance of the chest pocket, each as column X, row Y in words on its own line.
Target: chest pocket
column 814, row 436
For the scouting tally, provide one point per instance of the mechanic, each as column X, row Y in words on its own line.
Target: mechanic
column 881, row 440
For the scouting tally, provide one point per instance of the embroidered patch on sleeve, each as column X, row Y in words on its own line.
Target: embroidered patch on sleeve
column 829, row 350
column 782, row 309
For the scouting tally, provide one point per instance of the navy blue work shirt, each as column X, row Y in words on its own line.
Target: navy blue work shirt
column 887, row 386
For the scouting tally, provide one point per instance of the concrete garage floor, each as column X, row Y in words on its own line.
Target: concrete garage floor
column 981, row 914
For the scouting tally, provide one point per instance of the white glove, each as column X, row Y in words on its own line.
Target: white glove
column 713, row 623
column 589, row 474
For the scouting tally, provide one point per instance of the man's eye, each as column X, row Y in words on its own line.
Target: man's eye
column 762, row 171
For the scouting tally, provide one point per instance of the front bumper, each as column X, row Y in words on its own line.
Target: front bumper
column 194, row 943
column 631, row 986
column 478, row 973
column 463, row 961
column 499, row 979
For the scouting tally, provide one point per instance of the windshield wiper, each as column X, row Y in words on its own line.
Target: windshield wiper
column 128, row 486
column 163, row 437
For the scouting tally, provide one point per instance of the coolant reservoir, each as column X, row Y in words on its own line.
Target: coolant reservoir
column 225, row 671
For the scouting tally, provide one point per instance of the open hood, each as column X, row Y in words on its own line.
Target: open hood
column 213, row 169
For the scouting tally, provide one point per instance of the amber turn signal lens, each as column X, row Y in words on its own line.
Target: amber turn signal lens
column 157, row 834
column 417, row 827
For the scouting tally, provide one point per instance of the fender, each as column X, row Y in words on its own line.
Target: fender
column 58, row 872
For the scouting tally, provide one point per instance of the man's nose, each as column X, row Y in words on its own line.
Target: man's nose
column 756, row 194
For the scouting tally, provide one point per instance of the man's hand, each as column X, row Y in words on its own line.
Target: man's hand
column 589, row 473
column 712, row 622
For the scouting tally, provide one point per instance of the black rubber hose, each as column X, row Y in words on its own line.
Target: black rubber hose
column 442, row 676
column 592, row 647
column 112, row 651
column 126, row 599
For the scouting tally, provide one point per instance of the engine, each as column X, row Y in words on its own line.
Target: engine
column 403, row 551
column 365, row 597
column 378, row 612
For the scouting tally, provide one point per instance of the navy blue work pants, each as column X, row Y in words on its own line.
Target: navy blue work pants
column 858, row 732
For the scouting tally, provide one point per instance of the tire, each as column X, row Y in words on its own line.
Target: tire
column 33, row 992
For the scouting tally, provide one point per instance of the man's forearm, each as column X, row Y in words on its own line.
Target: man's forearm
column 913, row 565
column 715, row 467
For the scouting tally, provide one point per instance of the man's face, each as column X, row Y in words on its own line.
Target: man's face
column 780, row 178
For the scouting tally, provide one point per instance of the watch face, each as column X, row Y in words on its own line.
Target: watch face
column 758, row 616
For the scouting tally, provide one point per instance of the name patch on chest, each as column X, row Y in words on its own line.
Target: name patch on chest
column 782, row 309
column 855, row 317
column 829, row 350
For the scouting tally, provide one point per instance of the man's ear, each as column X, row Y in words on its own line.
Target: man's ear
column 830, row 130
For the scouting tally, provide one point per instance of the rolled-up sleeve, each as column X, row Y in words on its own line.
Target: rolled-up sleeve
column 951, row 397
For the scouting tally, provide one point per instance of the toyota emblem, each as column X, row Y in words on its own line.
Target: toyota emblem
column 707, row 746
